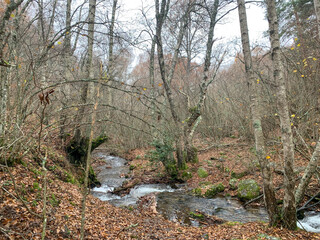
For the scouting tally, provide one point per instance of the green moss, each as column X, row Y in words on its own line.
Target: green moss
column 36, row 172
column 248, row 189
column 197, row 192
column 186, row 175
column 214, row 190
column 194, row 109
column 69, row 178
column 36, row 186
column 77, row 149
column 93, row 181
column 202, row 173
column 54, row 201
column 232, row 223
column 196, row 215
column 191, row 155
column 131, row 167
column 238, row 175
column 233, row 183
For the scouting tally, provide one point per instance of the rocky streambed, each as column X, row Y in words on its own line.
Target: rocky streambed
column 179, row 205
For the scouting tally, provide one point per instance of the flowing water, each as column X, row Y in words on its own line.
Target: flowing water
column 176, row 204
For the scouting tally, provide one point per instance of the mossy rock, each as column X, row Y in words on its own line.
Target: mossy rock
column 196, row 215
column 233, row 184
column 248, row 189
column 214, row 190
column 77, row 149
column 202, row 173
column 238, row 175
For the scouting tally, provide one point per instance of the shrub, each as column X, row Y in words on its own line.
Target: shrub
column 163, row 153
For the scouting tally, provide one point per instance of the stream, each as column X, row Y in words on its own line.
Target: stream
column 176, row 204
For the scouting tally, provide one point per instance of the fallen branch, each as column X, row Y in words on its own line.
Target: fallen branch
column 127, row 228
column 121, row 189
column 253, row 200
column 7, row 231
column 305, row 206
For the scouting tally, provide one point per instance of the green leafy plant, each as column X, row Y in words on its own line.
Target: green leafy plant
column 202, row 173
column 54, row 201
column 163, row 153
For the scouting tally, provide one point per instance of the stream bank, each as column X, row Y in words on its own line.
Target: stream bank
column 178, row 205
column 173, row 204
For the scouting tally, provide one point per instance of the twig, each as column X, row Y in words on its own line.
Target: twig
column 310, row 200
column 44, row 209
column 3, row 188
column 128, row 227
column 6, row 231
column 252, row 200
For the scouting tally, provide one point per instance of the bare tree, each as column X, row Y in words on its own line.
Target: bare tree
column 256, row 115
column 86, row 89
column 167, row 74
column 289, row 205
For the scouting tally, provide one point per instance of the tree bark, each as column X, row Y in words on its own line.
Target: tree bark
column 86, row 90
column 161, row 15
column 268, row 189
column 88, row 160
column 308, row 173
column 67, row 63
column 195, row 112
column 317, row 11
column 110, row 69
column 151, row 79
column 289, row 206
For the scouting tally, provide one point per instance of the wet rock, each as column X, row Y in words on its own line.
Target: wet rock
column 248, row 189
column 212, row 191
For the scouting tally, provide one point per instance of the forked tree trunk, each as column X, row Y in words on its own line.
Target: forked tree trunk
column 268, row 189
column 195, row 112
column 161, row 15
column 289, row 204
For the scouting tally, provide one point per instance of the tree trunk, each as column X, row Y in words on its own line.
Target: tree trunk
column 310, row 170
column 110, row 69
column 317, row 11
column 67, row 63
column 268, row 189
column 195, row 112
column 161, row 15
column 86, row 90
column 88, row 161
column 151, row 78
column 289, row 206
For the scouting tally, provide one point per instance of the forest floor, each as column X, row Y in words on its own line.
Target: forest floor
column 24, row 187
